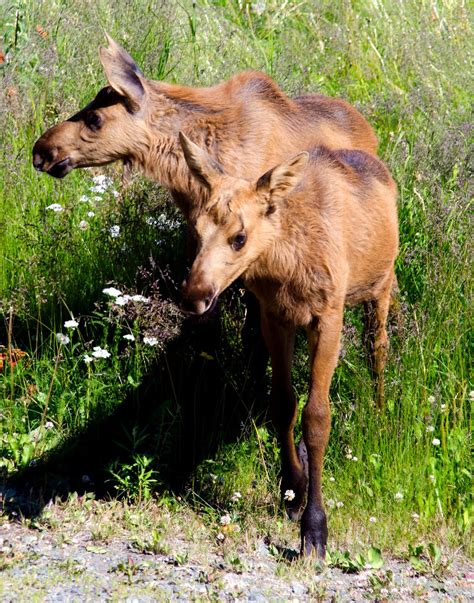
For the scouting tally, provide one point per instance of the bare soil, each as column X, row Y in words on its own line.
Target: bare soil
column 97, row 551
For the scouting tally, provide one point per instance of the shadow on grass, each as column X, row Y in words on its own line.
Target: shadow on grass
column 192, row 402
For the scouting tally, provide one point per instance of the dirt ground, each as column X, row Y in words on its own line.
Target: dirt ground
column 40, row 563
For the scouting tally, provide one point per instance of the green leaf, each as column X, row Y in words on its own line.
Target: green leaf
column 435, row 553
column 374, row 557
column 99, row 550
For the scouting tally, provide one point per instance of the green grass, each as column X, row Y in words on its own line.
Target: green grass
column 406, row 66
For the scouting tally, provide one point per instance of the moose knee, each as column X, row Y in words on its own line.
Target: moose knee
column 316, row 421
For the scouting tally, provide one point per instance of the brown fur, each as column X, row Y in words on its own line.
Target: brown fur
column 247, row 123
column 307, row 239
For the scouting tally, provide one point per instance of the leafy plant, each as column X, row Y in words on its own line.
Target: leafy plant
column 355, row 563
column 153, row 545
column 427, row 560
column 136, row 481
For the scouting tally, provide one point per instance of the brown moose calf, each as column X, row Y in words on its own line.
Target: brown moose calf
column 311, row 235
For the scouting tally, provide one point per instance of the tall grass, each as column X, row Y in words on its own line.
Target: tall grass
column 405, row 65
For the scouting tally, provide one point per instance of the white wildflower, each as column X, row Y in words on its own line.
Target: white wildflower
column 83, row 198
column 116, row 194
column 96, row 198
column 436, row 442
column 339, row 504
column 151, row 341
column 398, row 496
column 112, row 291
column 443, row 407
column 88, row 359
column 129, row 337
column 373, row 519
column 83, row 225
column 122, row 300
column 471, row 394
column 101, row 184
column 140, row 298
column 99, row 352
column 62, row 339
column 48, row 425
column 55, row 207
column 114, row 231
column 331, row 503
column 225, row 520
column 432, row 478
column 355, row 459
column 220, row 536
column 102, row 180
column 236, row 496
column 289, row 495
column 332, row 479
column 431, row 399
column 415, row 517
column 430, row 429
column 71, row 324
column 90, row 214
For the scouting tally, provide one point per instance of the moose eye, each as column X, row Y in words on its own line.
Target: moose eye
column 93, row 120
column 239, row 241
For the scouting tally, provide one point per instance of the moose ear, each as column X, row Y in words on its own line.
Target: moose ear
column 204, row 167
column 281, row 180
column 123, row 73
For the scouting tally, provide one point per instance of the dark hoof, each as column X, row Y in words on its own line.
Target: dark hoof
column 314, row 534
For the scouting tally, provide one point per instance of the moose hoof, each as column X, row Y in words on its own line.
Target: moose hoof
column 314, row 534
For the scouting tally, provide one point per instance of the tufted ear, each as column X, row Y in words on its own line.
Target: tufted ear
column 282, row 179
column 123, row 73
column 204, row 167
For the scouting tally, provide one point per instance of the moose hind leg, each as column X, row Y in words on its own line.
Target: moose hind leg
column 375, row 314
column 279, row 338
column 324, row 343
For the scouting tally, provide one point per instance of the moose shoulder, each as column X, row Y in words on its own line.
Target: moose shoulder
column 309, row 236
column 247, row 123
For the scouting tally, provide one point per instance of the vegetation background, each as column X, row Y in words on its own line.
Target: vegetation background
column 175, row 409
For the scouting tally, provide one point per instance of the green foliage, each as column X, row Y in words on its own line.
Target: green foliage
column 355, row 563
column 427, row 560
column 153, row 545
column 136, row 480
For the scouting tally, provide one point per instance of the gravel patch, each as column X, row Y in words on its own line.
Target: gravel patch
column 37, row 565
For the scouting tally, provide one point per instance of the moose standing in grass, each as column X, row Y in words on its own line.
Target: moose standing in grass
column 248, row 125
column 309, row 236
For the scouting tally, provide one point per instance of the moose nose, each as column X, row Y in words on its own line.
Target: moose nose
column 197, row 301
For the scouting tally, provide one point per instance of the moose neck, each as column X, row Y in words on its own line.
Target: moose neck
column 173, row 109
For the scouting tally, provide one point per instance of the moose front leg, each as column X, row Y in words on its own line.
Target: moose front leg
column 324, row 345
column 279, row 338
